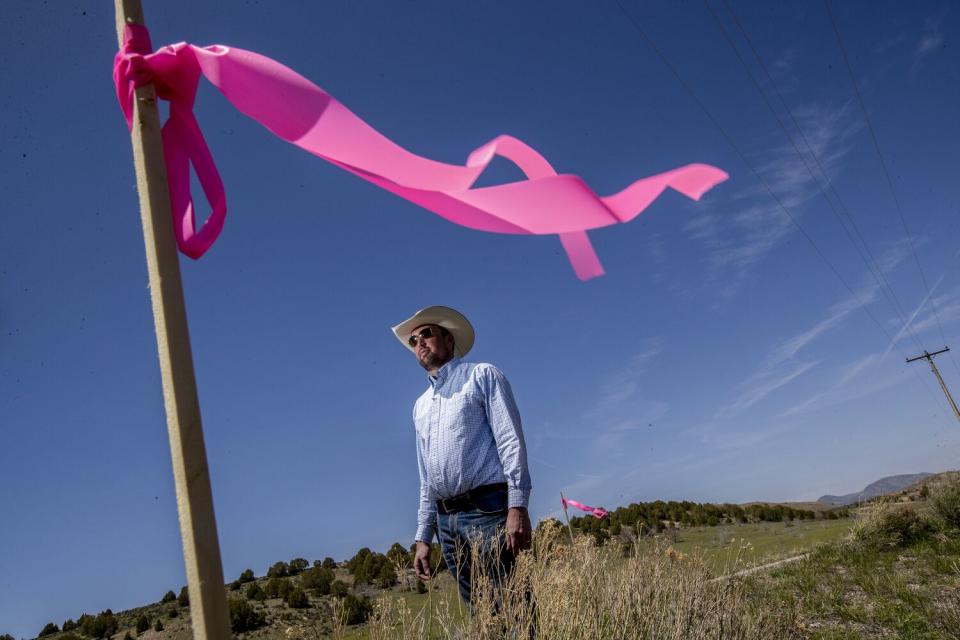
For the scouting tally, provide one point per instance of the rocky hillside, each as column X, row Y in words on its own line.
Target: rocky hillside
column 883, row 486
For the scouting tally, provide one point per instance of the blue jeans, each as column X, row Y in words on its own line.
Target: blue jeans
column 482, row 526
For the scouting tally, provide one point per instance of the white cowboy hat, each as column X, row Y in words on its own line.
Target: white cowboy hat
column 450, row 319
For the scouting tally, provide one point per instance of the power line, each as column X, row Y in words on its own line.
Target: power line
column 650, row 43
column 869, row 260
column 886, row 173
column 871, row 264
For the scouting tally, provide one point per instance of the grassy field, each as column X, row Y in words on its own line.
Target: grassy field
column 731, row 548
column 722, row 549
column 891, row 572
column 895, row 573
column 875, row 585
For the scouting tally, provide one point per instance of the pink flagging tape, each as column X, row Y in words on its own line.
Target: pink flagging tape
column 596, row 512
column 298, row 111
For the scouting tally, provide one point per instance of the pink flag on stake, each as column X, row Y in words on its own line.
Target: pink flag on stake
column 303, row 114
column 596, row 512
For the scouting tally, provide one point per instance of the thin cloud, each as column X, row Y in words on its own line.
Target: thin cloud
column 763, row 383
column 947, row 312
column 736, row 242
column 931, row 41
column 857, row 367
column 782, row 366
column 853, row 383
column 620, row 406
column 623, row 386
column 936, row 312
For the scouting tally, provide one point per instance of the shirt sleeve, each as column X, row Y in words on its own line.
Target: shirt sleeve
column 504, row 419
column 427, row 513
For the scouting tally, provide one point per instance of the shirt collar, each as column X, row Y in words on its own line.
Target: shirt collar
column 444, row 371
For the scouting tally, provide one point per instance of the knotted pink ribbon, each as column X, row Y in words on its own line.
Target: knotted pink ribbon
column 303, row 114
column 596, row 512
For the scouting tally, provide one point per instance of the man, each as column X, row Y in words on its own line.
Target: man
column 474, row 481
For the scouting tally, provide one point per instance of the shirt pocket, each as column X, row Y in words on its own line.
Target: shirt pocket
column 463, row 411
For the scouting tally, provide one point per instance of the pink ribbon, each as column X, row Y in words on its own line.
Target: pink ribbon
column 303, row 114
column 596, row 512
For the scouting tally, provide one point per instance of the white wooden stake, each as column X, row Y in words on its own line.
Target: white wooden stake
column 198, row 526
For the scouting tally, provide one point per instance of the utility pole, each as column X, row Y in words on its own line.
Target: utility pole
column 929, row 358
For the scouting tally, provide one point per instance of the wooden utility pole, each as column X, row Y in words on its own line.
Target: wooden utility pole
column 198, row 526
column 929, row 358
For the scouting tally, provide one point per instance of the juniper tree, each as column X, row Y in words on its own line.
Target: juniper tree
column 297, row 566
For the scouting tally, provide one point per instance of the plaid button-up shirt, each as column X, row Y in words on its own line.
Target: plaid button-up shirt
column 468, row 434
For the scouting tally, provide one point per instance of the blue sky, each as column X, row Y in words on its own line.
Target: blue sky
column 720, row 359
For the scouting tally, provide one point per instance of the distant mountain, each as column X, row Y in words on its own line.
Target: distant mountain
column 878, row 488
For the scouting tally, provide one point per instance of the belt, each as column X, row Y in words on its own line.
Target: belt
column 467, row 500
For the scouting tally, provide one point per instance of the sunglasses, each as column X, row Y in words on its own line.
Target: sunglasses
column 423, row 334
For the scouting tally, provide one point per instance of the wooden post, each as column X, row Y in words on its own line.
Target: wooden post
column 567, row 516
column 198, row 526
column 943, row 385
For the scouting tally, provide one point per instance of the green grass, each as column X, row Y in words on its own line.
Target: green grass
column 730, row 548
column 847, row 591
column 441, row 599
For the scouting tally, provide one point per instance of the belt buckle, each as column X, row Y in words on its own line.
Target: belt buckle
column 455, row 504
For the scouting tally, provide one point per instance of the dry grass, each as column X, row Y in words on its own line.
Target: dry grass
column 561, row 591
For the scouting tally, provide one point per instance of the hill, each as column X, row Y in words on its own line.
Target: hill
column 889, row 484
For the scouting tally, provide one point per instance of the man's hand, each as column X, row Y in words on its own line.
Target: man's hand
column 421, row 561
column 518, row 530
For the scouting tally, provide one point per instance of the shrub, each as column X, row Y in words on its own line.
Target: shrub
column 339, row 589
column 173, row 613
column 297, row 599
column 946, row 503
column 888, row 526
column 278, row 570
column 169, row 596
column 68, row 625
column 255, row 592
column 329, row 563
column 142, row 624
column 399, row 556
column 277, row 588
column 247, row 576
column 387, row 576
column 184, row 598
column 356, row 609
column 102, row 626
column 318, row 579
column 127, row 636
column 297, row 566
column 367, row 565
column 158, row 626
column 243, row 617
column 355, row 563
column 49, row 629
